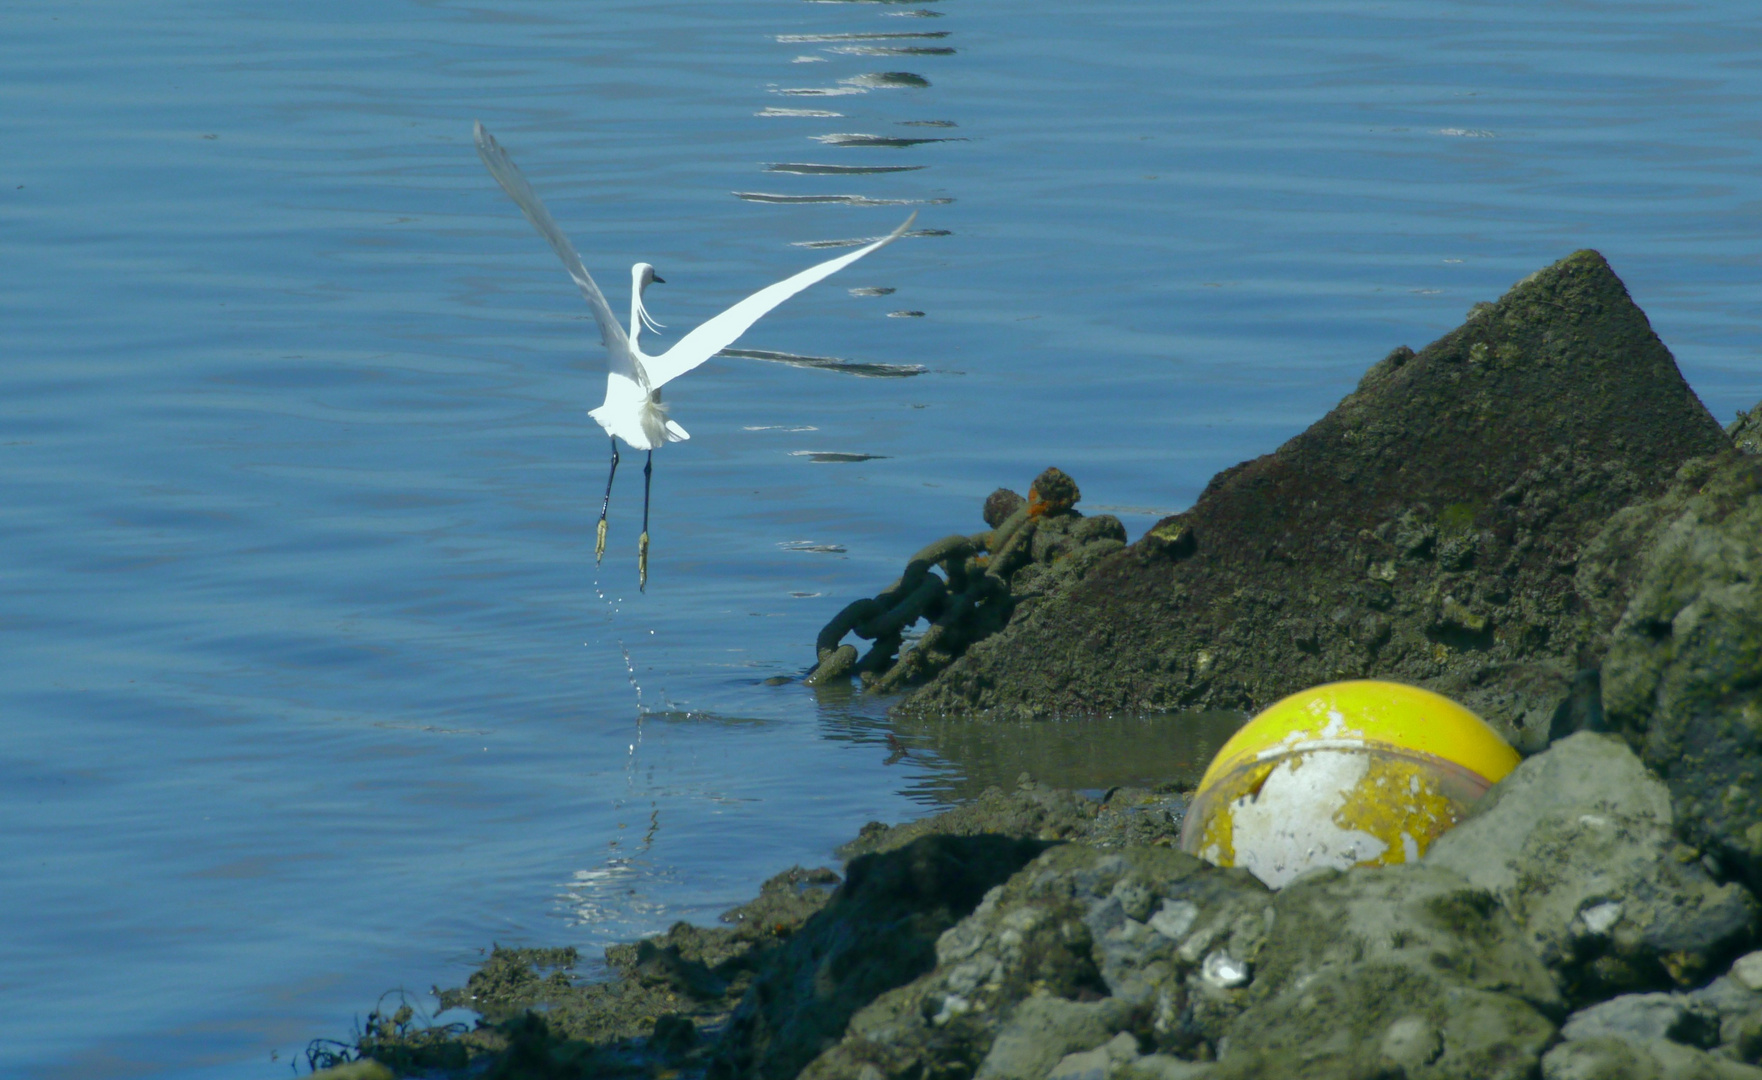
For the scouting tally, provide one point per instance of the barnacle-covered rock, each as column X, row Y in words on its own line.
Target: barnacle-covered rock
column 1033, row 550
column 1052, row 493
column 1578, row 845
column 1427, row 530
column 999, row 505
column 1683, row 677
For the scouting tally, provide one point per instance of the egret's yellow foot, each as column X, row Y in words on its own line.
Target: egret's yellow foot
column 599, row 542
column 642, row 562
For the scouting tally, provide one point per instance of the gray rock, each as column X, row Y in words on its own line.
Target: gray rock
column 1396, row 968
column 1610, row 565
column 1163, row 1067
column 1099, row 1063
column 1746, row 431
column 1030, row 809
column 1522, row 699
column 1052, row 964
column 1577, row 844
column 1042, row 1031
column 878, row 932
column 1747, row 969
column 1122, row 1048
column 1088, row 1065
column 1607, row 1057
column 1339, row 975
column 1677, row 1017
column 1683, row 676
column 1411, row 1042
column 1738, row 1010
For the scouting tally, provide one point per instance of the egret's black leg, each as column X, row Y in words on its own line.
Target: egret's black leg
column 599, row 542
column 642, row 544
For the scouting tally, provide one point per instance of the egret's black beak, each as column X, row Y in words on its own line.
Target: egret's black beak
column 659, row 280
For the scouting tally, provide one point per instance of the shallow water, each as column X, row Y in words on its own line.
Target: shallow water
column 312, row 687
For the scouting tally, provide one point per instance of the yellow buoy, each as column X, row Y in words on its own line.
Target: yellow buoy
column 1347, row 774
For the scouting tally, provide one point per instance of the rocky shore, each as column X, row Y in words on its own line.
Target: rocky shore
column 1533, row 514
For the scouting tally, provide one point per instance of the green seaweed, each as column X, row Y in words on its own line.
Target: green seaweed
column 401, row 1039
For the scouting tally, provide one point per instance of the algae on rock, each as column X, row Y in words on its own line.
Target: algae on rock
column 1147, row 962
column 1036, row 547
column 1426, row 529
column 1577, row 844
column 1683, row 676
column 878, row 931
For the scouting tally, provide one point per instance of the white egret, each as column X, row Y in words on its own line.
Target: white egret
column 632, row 410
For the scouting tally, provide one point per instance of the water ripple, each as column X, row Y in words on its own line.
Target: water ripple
column 842, row 200
column 893, row 50
column 861, row 368
column 797, row 39
column 854, row 138
column 772, row 110
column 804, row 168
column 859, row 241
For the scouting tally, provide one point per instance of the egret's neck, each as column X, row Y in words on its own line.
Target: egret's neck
column 636, row 311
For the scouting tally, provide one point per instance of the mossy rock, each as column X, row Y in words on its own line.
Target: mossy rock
column 1465, row 478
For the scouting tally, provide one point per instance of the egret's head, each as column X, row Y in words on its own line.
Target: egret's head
column 640, row 276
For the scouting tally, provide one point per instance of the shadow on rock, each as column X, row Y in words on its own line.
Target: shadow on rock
column 878, row 932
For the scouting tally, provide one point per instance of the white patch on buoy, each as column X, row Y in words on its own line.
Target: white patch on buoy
column 1289, row 827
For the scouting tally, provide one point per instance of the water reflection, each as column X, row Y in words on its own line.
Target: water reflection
column 952, row 761
column 834, row 457
column 886, row 80
column 859, row 42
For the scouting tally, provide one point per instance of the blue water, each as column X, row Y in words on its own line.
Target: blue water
column 311, row 686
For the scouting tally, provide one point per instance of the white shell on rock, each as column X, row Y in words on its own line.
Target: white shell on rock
column 1600, row 917
column 1223, row 971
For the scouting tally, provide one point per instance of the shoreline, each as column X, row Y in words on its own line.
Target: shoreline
column 1591, row 585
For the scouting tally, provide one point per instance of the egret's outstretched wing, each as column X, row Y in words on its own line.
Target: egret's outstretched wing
column 719, row 332
column 502, row 167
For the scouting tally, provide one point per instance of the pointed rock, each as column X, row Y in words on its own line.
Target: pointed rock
column 1426, row 529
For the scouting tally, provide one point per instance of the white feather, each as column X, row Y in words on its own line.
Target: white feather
column 632, row 410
